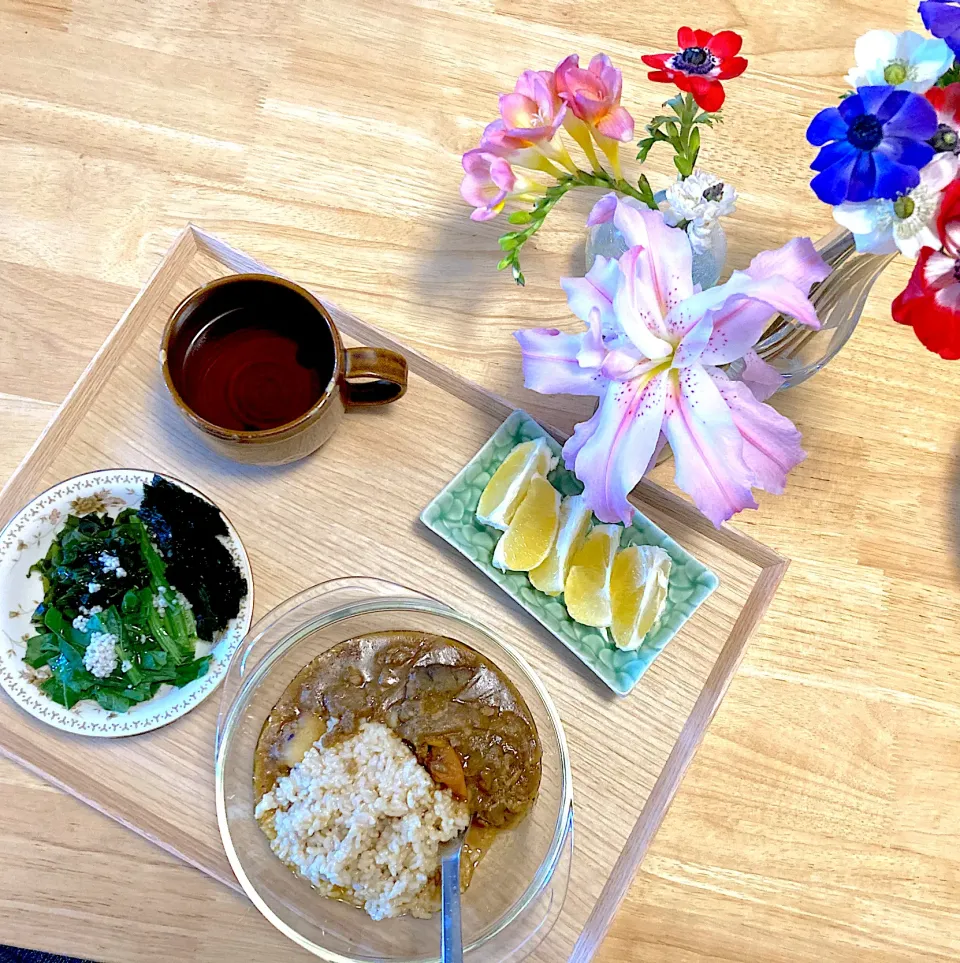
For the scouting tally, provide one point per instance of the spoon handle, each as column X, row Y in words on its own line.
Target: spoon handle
column 451, row 937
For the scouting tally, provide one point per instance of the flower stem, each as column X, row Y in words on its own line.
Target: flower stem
column 533, row 220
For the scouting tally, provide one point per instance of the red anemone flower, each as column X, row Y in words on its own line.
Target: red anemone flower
column 946, row 102
column 930, row 303
column 703, row 60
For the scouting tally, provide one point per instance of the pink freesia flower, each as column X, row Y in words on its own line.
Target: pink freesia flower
column 595, row 114
column 534, row 111
column 593, row 96
column 651, row 354
column 496, row 140
column 489, row 182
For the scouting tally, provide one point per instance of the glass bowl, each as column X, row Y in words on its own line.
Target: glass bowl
column 519, row 887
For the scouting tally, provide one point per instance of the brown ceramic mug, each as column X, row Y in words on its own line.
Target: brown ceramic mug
column 256, row 365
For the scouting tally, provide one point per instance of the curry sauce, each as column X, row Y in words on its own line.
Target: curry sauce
column 464, row 720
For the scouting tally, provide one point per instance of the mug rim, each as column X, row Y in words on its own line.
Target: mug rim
column 262, row 434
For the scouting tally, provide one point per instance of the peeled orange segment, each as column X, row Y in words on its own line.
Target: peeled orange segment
column 528, row 540
column 549, row 576
column 638, row 592
column 587, row 589
column 505, row 490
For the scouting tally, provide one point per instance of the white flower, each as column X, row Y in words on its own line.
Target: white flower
column 700, row 200
column 906, row 60
column 100, row 657
column 126, row 665
column 882, row 226
column 80, row 623
column 93, row 587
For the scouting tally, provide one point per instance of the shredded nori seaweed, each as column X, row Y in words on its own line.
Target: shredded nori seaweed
column 185, row 529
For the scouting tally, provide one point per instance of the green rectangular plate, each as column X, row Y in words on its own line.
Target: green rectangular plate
column 452, row 515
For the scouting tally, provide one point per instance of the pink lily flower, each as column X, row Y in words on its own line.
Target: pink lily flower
column 651, row 353
column 489, row 182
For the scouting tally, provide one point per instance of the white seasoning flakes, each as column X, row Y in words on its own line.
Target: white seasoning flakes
column 100, row 658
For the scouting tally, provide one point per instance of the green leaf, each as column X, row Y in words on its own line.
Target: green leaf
column 154, row 659
column 657, row 121
column 511, row 241
column 159, row 631
column 61, row 693
column 675, row 104
column 41, row 649
column 683, row 165
column 646, row 191
column 54, row 621
column 645, row 145
column 192, row 670
column 520, row 217
column 111, row 701
column 951, row 76
column 140, row 692
column 131, row 603
column 505, row 262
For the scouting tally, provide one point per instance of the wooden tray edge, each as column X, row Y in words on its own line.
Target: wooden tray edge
column 684, row 749
column 192, row 240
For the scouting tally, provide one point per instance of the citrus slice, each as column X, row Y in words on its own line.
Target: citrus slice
column 551, row 573
column 528, row 540
column 505, row 490
column 587, row 589
column 638, row 592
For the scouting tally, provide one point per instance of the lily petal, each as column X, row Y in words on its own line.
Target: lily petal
column 667, row 261
column 620, row 440
column 596, row 290
column 592, row 350
column 707, row 446
column 637, row 306
column 739, row 321
column 761, row 378
column 771, row 443
column 603, row 210
column 798, row 261
column 550, row 363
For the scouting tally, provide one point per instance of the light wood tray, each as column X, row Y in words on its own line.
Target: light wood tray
column 352, row 509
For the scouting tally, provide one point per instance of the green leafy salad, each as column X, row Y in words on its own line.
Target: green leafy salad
column 111, row 626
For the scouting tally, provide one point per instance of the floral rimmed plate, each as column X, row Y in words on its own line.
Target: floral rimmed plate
column 26, row 540
column 452, row 515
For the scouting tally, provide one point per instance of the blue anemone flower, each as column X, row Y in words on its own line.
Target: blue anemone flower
column 872, row 145
column 942, row 19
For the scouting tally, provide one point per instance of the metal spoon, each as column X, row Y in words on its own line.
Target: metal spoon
column 451, row 936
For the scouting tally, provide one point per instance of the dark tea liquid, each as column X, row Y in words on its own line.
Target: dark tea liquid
column 241, row 373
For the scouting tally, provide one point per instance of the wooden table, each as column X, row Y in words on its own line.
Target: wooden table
column 820, row 821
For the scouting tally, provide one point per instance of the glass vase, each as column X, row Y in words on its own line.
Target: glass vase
column 708, row 264
column 797, row 351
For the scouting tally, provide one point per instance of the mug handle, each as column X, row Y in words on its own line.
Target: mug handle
column 386, row 366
